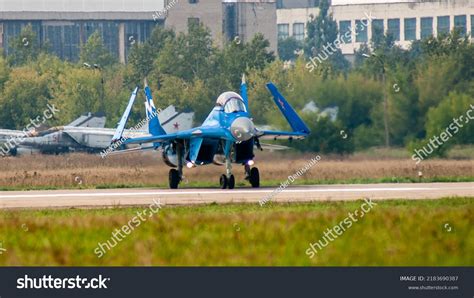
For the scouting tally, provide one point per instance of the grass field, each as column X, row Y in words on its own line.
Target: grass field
column 147, row 170
column 395, row 233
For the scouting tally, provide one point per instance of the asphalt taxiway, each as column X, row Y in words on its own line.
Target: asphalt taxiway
column 93, row 198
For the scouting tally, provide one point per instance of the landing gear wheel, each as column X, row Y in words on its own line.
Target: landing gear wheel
column 223, row 182
column 231, row 182
column 254, row 178
column 174, row 178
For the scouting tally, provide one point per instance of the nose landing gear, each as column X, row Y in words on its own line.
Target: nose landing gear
column 227, row 180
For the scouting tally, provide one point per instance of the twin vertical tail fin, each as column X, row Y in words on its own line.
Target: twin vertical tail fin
column 154, row 126
column 243, row 93
column 287, row 110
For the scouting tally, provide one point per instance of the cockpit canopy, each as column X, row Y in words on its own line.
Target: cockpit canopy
column 232, row 102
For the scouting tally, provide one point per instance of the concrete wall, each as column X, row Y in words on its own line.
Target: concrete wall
column 257, row 17
column 252, row 17
column 209, row 13
column 81, row 5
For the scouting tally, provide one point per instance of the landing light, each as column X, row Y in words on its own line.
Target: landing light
column 250, row 162
column 190, row 165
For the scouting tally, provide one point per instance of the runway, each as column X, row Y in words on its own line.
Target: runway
column 137, row 197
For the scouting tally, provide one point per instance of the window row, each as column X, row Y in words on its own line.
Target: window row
column 393, row 28
column 410, row 28
column 298, row 31
column 65, row 39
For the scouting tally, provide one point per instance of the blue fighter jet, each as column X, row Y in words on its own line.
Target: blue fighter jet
column 228, row 131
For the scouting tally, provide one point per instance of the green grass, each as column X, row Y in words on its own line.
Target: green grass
column 458, row 152
column 393, row 233
column 265, row 183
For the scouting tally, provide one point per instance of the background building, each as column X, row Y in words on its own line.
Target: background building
column 404, row 20
column 64, row 25
column 227, row 19
column 292, row 16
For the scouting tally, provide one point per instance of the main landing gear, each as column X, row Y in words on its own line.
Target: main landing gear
column 253, row 176
column 226, row 181
column 175, row 176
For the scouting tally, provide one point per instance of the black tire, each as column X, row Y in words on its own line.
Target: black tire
column 223, row 181
column 254, row 177
column 174, row 178
column 231, row 182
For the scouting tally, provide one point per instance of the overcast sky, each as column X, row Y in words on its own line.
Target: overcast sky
column 338, row 2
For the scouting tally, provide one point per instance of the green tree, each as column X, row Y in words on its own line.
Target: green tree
column 188, row 56
column 237, row 58
column 454, row 106
column 78, row 92
column 4, row 72
column 322, row 32
column 325, row 136
column 24, row 48
column 142, row 56
column 25, row 97
column 287, row 48
column 94, row 52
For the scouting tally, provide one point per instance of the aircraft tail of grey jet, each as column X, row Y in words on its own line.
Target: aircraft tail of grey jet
column 96, row 120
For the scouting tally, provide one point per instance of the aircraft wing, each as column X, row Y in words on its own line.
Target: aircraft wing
column 274, row 147
column 132, row 150
column 198, row 132
column 271, row 134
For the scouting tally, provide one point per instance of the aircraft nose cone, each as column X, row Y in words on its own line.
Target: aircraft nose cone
column 242, row 129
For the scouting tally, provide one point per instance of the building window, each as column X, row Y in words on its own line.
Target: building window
column 443, row 25
column 193, row 22
column 283, row 31
column 298, row 31
column 410, row 29
column 361, row 31
column 393, row 28
column 193, row 1
column 279, row 4
column 377, row 30
column 426, row 27
column 472, row 26
column 345, row 31
column 460, row 24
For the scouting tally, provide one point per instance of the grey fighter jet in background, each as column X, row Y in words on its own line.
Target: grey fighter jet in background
column 89, row 135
